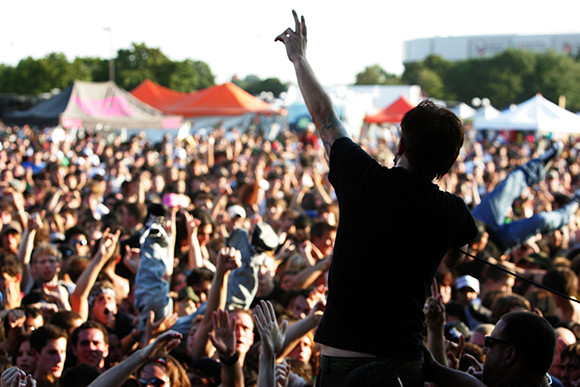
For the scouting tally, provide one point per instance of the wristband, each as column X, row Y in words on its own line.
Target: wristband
column 231, row 360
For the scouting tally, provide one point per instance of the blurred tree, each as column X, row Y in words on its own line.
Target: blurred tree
column 254, row 85
column 205, row 77
column 35, row 76
column 376, row 75
column 98, row 68
column 185, row 78
column 138, row 63
column 132, row 66
column 512, row 76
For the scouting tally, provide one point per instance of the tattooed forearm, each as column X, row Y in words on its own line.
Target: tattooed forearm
column 331, row 130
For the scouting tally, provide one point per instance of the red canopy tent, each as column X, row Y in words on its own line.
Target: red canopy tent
column 392, row 113
column 158, row 96
column 221, row 100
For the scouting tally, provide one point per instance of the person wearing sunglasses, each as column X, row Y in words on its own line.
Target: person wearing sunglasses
column 163, row 372
column 153, row 365
column 77, row 237
column 519, row 352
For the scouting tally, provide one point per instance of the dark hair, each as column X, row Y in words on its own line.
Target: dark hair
column 497, row 275
column 302, row 222
column 563, row 280
column 40, row 337
column 5, row 362
column 76, row 230
column 505, row 303
column 433, row 137
column 80, row 375
column 319, row 228
column 199, row 275
column 534, row 339
column 571, row 352
column 65, row 319
column 86, row 326
column 15, row 348
column 138, row 210
column 543, row 300
column 11, row 265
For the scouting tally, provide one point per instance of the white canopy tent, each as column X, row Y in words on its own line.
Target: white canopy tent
column 463, row 111
column 536, row 113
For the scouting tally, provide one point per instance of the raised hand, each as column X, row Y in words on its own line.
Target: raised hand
column 223, row 336
column 272, row 336
column 294, row 40
column 155, row 328
column 191, row 223
column 434, row 309
column 15, row 377
column 282, row 373
column 476, row 368
column 35, row 220
column 170, row 227
column 108, row 243
column 16, row 318
column 228, row 259
column 454, row 351
column 162, row 345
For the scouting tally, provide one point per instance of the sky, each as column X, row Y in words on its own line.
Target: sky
column 237, row 37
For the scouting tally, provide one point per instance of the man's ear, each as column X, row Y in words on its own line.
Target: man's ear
column 34, row 354
column 18, row 277
column 74, row 349
column 106, row 351
column 510, row 356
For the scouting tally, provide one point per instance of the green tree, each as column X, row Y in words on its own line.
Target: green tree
column 97, row 68
column 138, row 63
column 429, row 78
column 254, row 85
column 185, row 78
column 205, row 76
column 376, row 75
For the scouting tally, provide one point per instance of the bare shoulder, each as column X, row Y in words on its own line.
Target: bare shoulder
column 330, row 130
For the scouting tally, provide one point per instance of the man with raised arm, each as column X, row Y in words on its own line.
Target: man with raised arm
column 388, row 258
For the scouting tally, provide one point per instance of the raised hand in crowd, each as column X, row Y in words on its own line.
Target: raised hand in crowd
column 195, row 256
column 272, row 339
column 15, row 377
column 131, row 258
column 228, row 259
column 223, row 339
column 223, row 336
column 476, row 368
column 282, row 375
column 444, row 376
column 153, row 329
column 434, row 310
column 116, row 376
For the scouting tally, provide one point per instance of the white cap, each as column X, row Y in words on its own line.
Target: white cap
column 236, row 210
column 467, row 281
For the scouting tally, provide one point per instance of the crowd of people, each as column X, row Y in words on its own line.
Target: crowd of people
column 71, row 249
column 205, row 260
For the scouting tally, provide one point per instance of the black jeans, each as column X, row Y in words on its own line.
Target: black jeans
column 334, row 370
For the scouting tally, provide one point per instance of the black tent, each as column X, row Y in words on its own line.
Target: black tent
column 45, row 113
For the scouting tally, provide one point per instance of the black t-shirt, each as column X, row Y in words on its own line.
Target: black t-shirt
column 394, row 231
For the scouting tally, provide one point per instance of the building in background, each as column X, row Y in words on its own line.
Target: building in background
column 467, row 47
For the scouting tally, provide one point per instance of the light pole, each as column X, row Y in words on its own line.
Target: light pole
column 112, row 57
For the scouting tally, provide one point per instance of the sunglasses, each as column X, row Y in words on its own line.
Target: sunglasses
column 155, row 382
column 488, row 341
column 82, row 242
